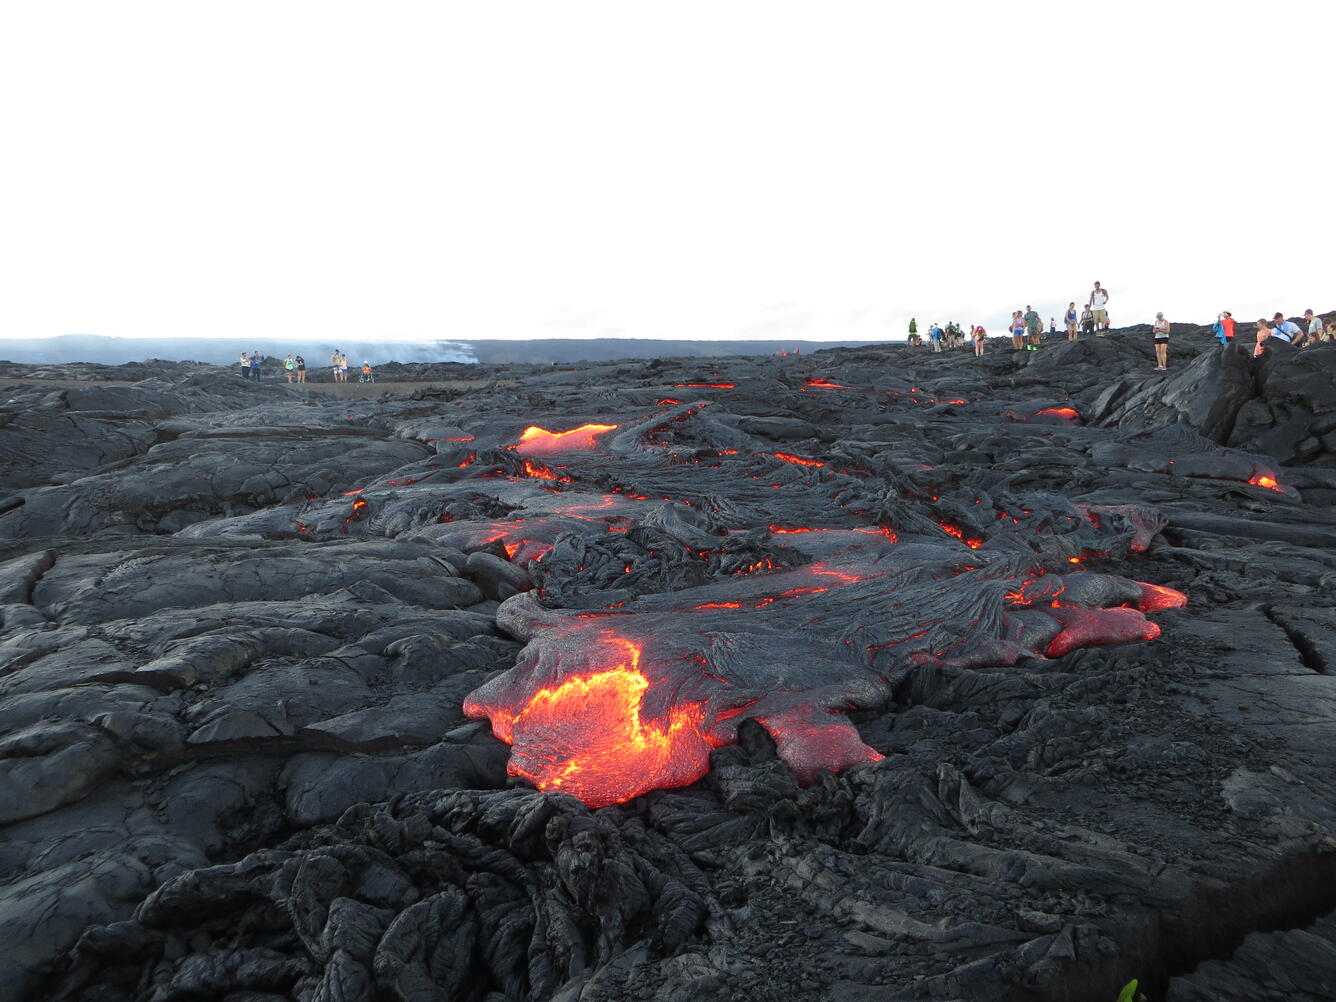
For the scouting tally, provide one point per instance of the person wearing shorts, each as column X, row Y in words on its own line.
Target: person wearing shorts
column 1099, row 305
column 1070, row 320
column 1032, row 323
column 1160, row 330
column 301, row 368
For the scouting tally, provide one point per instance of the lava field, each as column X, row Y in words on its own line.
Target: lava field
column 869, row 674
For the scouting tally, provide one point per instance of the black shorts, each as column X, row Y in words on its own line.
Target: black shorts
column 1161, row 340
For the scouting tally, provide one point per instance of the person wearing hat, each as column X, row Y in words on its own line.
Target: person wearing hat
column 1161, row 331
column 1285, row 331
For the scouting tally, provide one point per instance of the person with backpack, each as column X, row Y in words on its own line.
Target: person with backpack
column 255, row 365
column 289, row 366
column 1099, row 304
column 1160, row 331
column 935, row 336
column 914, row 338
column 1087, row 321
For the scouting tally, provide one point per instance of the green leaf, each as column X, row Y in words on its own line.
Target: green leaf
column 1129, row 991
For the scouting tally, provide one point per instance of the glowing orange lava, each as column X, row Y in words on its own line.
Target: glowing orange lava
column 1068, row 413
column 1157, row 597
column 1265, row 480
column 826, row 384
column 789, row 457
column 588, row 737
column 709, row 386
column 959, row 533
column 535, row 441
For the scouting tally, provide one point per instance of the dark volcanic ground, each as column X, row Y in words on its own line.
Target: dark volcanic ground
column 254, row 643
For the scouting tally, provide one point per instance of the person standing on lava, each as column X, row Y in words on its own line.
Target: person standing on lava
column 255, row 365
column 1069, row 318
column 301, row 368
column 1161, row 331
column 1032, row 327
column 914, row 338
column 1087, row 321
column 1099, row 304
column 245, row 365
column 1017, row 331
column 1224, row 327
column 979, row 335
column 334, row 363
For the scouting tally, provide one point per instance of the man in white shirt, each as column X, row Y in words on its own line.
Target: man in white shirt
column 1099, row 302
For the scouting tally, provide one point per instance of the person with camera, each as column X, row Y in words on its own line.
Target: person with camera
column 1160, row 330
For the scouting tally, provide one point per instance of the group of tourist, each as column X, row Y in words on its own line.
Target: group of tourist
column 1279, row 331
column 1027, row 329
column 294, row 367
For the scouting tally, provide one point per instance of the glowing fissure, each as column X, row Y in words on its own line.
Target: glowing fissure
column 789, row 457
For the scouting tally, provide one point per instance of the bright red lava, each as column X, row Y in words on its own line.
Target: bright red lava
column 826, row 384
column 709, row 386
column 1067, row 413
column 588, row 736
column 535, row 441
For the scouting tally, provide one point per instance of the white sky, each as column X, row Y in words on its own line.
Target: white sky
column 689, row 170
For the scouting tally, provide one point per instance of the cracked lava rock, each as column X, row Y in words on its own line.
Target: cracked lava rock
column 861, row 675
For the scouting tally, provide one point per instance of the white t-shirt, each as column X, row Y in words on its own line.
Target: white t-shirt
column 1099, row 299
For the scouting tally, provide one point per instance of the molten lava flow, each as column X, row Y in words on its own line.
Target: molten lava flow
column 789, row 457
column 1066, row 413
column 540, row 472
column 1265, row 480
column 535, row 441
column 1157, row 597
column 826, row 384
column 959, row 533
column 587, row 735
column 1093, row 627
column 709, row 386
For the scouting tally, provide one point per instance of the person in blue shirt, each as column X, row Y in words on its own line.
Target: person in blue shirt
column 935, row 335
column 1285, row 331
